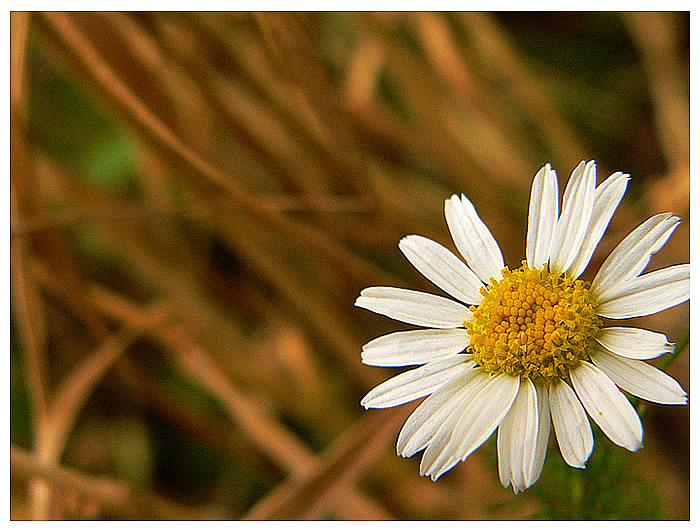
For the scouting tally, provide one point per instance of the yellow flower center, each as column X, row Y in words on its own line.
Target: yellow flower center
column 533, row 324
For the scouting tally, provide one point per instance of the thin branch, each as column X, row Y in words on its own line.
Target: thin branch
column 270, row 437
column 214, row 181
column 279, row 444
column 655, row 36
column 77, row 385
column 468, row 88
column 287, row 204
column 25, row 306
column 23, row 298
column 116, row 496
column 139, row 385
column 19, row 31
column 288, row 40
column 316, row 309
column 493, row 44
column 338, row 469
column 146, row 52
column 293, row 109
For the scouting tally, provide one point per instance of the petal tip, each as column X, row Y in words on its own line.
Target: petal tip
column 407, row 239
column 451, row 199
column 636, row 447
column 365, row 292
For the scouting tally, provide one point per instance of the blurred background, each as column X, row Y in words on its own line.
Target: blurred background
column 198, row 198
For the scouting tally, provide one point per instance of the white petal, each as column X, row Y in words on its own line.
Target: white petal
column 608, row 407
column 634, row 343
column 414, row 307
column 647, row 294
column 443, row 268
column 517, row 436
column 607, row 197
column 415, row 383
column 440, row 440
column 477, row 422
column 423, row 423
column 571, row 426
column 633, row 253
column 542, row 216
column 577, row 207
column 639, row 378
column 420, row 346
column 473, row 239
column 544, row 424
column 505, row 471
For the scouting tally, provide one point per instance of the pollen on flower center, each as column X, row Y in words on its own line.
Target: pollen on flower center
column 533, row 324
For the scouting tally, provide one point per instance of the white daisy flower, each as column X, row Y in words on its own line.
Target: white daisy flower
column 518, row 347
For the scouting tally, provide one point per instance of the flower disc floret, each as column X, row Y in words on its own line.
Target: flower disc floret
column 534, row 324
